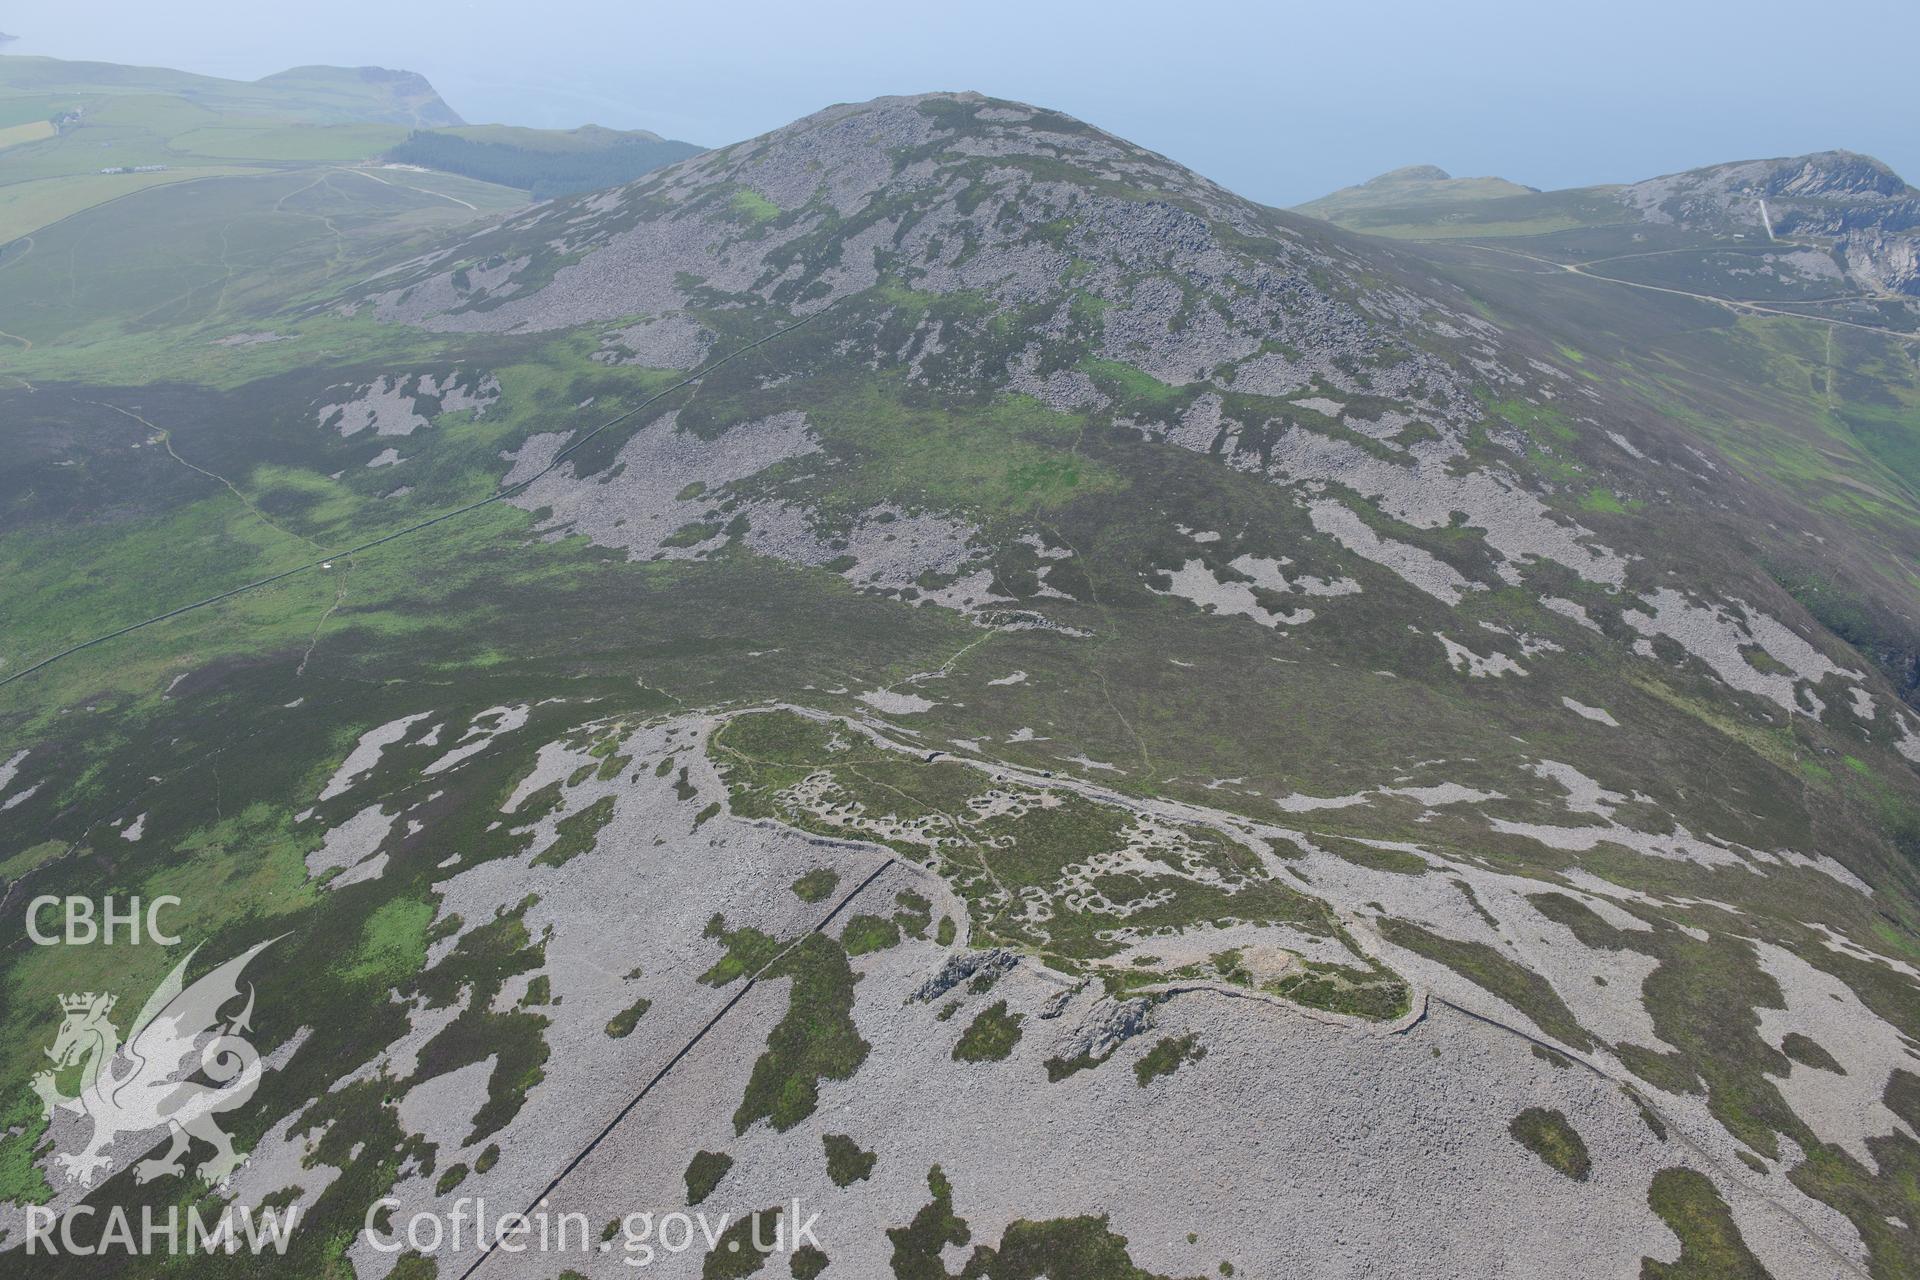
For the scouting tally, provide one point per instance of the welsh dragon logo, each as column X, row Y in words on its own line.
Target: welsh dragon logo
column 136, row 1086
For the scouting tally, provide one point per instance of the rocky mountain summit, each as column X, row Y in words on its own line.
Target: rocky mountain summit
column 1866, row 209
column 1078, row 236
column 972, row 248
column 1827, row 193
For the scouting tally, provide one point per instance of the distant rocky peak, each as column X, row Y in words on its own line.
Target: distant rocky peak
column 1823, row 175
column 1828, row 193
column 1835, row 175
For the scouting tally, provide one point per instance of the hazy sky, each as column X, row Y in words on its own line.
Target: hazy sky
column 1280, row 101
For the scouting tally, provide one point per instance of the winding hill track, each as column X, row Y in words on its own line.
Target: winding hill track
column 1732, row 304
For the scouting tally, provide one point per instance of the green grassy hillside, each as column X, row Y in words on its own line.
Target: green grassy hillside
column 323, row 95
column 542, row 162
column 74, row 135
column 1422, row 185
